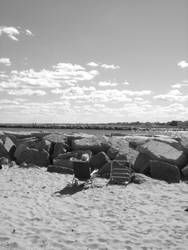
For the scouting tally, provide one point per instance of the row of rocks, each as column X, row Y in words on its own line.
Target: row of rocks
column 160, row 157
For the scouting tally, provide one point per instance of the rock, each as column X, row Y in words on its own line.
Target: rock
column 59, row 169
column 3, row 151
column 164, row 171
column 0, row 167
column 98, row 160
column 19, row 149
column 172, row 142
column 136, row 140
column 34, row 156
column 59, row 148
column 105, row 170
column 94, row 143
column 184, row 143
column 138, row 178
column 142, row 164
column 119, row 148
column 12, row 153
column 161, row 151
column 185, row 171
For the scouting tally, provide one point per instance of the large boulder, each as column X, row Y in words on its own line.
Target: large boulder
column 105, row 170
column 119, row 148
column 172, row 142
column 3, row 151
column 94, row 143
column 33, row 156
column 136, row 140
column 59, row 148
column 142, row 164
column 98, row 160
column 184, row 143
column 161, row 151
column 164, row 171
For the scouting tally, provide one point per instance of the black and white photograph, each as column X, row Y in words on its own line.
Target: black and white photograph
column 93, row 124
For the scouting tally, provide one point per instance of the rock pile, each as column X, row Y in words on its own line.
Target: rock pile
column 160, row 157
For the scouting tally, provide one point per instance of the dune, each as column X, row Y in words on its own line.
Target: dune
column 34, row 214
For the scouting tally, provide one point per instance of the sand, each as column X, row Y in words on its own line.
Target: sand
column 147, row 216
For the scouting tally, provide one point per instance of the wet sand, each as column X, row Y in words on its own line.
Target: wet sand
column 147, row 216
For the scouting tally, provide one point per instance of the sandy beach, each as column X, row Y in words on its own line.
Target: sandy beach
column 150, row 215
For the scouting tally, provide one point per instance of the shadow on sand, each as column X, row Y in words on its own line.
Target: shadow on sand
column 71, row 189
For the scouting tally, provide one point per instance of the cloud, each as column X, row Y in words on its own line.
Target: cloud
column 183, row 64
column 110, row 66
column 107, row 84
column 179, row 85
column 60, row 75
column 5, row 61
column 28, row 32
column 13, row 32
column 172, row 95
column 28, row 92
column 93, row 64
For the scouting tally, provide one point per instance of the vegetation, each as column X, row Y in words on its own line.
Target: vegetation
column 101, row 126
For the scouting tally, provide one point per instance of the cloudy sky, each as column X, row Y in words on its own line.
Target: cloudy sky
column 93, row 61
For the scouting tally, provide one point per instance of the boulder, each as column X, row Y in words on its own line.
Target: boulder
column 164, row 171
column 94, row 143
column 105, row 170
column 185, row 171
column 12, row 153
column 3, row 151
column 59, row 148
column 33, row 156
column 98, row 160
column 136, row 140
column 172, row 142
column 184, row 143
column 142, row 164
column 118, row 148
column 161, row 151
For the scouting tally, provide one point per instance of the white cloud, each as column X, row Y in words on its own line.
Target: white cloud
column 172, row 95
column 110, row 66
column 107, row 84
column 61, row 75
column 11, row 32
column 14, row 32
column 93, row 64
column 6, row 61
column 183, row 64
column 28, row 92
column 179, row 85
column 28, row 32
column 126, row 83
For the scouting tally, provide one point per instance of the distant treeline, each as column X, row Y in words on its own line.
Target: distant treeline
column 100, row 126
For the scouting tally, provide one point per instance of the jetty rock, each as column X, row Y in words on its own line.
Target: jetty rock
column 164, row 171
column 94, row 143
column 162, row 151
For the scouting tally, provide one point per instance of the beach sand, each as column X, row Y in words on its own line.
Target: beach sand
column 147, row 216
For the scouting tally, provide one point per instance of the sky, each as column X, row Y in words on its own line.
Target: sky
column 89, row 61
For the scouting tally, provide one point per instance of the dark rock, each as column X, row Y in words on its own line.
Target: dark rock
column 164, row 171
column 105, row 170
column 142, row 164
column 59, row 148
column 98, row 160
column 12, row 153
column 3, row 151
column 34, row 156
